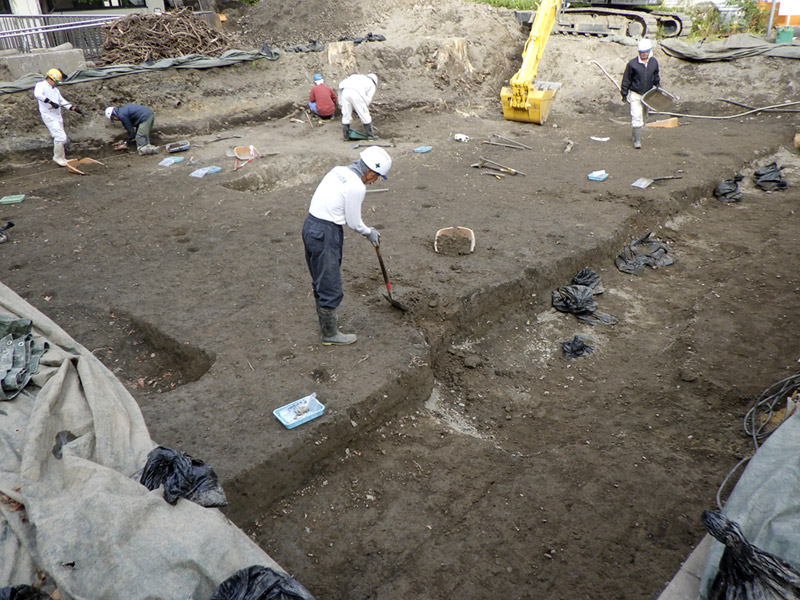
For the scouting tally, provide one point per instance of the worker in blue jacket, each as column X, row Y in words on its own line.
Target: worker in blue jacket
column 137, row 121
column 641, row 75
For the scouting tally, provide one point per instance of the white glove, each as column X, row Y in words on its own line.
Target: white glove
column 374, row 236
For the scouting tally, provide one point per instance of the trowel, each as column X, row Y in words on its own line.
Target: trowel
column 644, row 182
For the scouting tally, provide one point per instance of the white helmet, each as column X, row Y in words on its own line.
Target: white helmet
column 645, row 45
column 109, row 112
column 377, row 159
column 374, row 78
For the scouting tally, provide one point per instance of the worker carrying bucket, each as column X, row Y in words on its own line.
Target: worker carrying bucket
column 641, row 75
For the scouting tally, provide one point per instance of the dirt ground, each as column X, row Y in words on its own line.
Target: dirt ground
column 460, row 455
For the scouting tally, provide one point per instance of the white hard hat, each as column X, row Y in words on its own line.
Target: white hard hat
column 645, row 45
column 377, row 159
column 109, row 112
column 374, row 78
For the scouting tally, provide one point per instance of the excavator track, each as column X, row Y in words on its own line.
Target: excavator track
column 598, row 21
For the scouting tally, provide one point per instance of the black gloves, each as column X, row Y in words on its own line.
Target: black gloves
column 51, row 103
column 624, row 97
column 76, row 109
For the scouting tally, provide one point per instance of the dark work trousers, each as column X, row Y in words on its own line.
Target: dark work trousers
column 323, row 243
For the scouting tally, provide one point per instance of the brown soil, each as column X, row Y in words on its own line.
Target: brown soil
column 460, row 455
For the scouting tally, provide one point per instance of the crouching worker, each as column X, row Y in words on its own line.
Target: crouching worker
column 322, row 99
column 137, row 121
column 336, row 202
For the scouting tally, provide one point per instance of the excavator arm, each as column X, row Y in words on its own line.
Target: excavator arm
column 523, row 100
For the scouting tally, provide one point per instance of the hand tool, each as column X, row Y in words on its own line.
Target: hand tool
column 388, row 295
column 644, row 182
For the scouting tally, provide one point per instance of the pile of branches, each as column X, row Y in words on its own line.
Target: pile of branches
column 138, row 38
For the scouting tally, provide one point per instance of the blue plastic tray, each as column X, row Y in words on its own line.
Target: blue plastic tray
column 300, row 411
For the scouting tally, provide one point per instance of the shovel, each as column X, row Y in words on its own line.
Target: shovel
column 644, row 182
column 388, row 294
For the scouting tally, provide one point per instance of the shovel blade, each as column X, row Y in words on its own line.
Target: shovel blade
column 396, row 304
column 642, row 182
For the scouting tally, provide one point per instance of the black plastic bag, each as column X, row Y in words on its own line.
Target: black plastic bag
column 589, row 278
column 269, row 53
column 182, row 477
column 642, row 253
column 576, row 347
column 260, row 583
column 728, row 190
column 746, row 572
column 769, row 178
column 579, row 300
column 22, row 592
column 312, row 46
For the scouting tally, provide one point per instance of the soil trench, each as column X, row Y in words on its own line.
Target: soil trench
column 527, row 476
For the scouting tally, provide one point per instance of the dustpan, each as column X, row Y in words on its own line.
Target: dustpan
column 246, row 154
column 658, row 100
column 355, row 135
column 644, row 182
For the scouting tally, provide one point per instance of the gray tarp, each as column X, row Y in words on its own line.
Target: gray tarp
column 97, row 532
column 764, row 501
column 736, row 46
column 190, row 61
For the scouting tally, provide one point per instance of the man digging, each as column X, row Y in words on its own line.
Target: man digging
column 336, row 202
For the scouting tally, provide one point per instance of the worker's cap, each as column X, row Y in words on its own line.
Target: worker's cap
column 110, row 112
column 317, row 77
column 377, row 159
column 645, row 45
column 55, row 75
column 374, row 78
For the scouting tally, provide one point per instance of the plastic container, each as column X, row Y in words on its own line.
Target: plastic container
column 177, row 146
column 300, row 411
column 785, row 35
column 171, row 160
column 598, row 175
column 205, row 171
column 12, row 199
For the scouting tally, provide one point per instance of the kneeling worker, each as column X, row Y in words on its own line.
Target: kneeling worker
column 137, row 121
column 336, row 202
column 322, row 99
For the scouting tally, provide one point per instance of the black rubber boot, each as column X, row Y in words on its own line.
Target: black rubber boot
column 346, row 132
column 637, row 137
column 371, row 135
column 329, row 324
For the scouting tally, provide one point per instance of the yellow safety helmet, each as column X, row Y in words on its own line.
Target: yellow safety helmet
column 55, row 75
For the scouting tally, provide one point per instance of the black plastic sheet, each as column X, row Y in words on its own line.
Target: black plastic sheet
column 260, row 583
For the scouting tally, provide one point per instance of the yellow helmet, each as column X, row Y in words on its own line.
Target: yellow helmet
column 55, row 75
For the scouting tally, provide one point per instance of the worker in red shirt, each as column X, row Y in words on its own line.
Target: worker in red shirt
column 322, row 99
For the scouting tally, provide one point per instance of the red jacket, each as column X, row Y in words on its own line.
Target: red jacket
column 325, row 98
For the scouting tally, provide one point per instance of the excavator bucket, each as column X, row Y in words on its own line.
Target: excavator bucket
column 523, row 98
column 534, row 108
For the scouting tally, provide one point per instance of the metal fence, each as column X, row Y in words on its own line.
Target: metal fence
column 28, row 33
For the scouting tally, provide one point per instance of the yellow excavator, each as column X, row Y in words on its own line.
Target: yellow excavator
column 523, row 99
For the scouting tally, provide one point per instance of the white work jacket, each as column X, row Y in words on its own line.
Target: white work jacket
column 338, row 199
column 44, row 91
